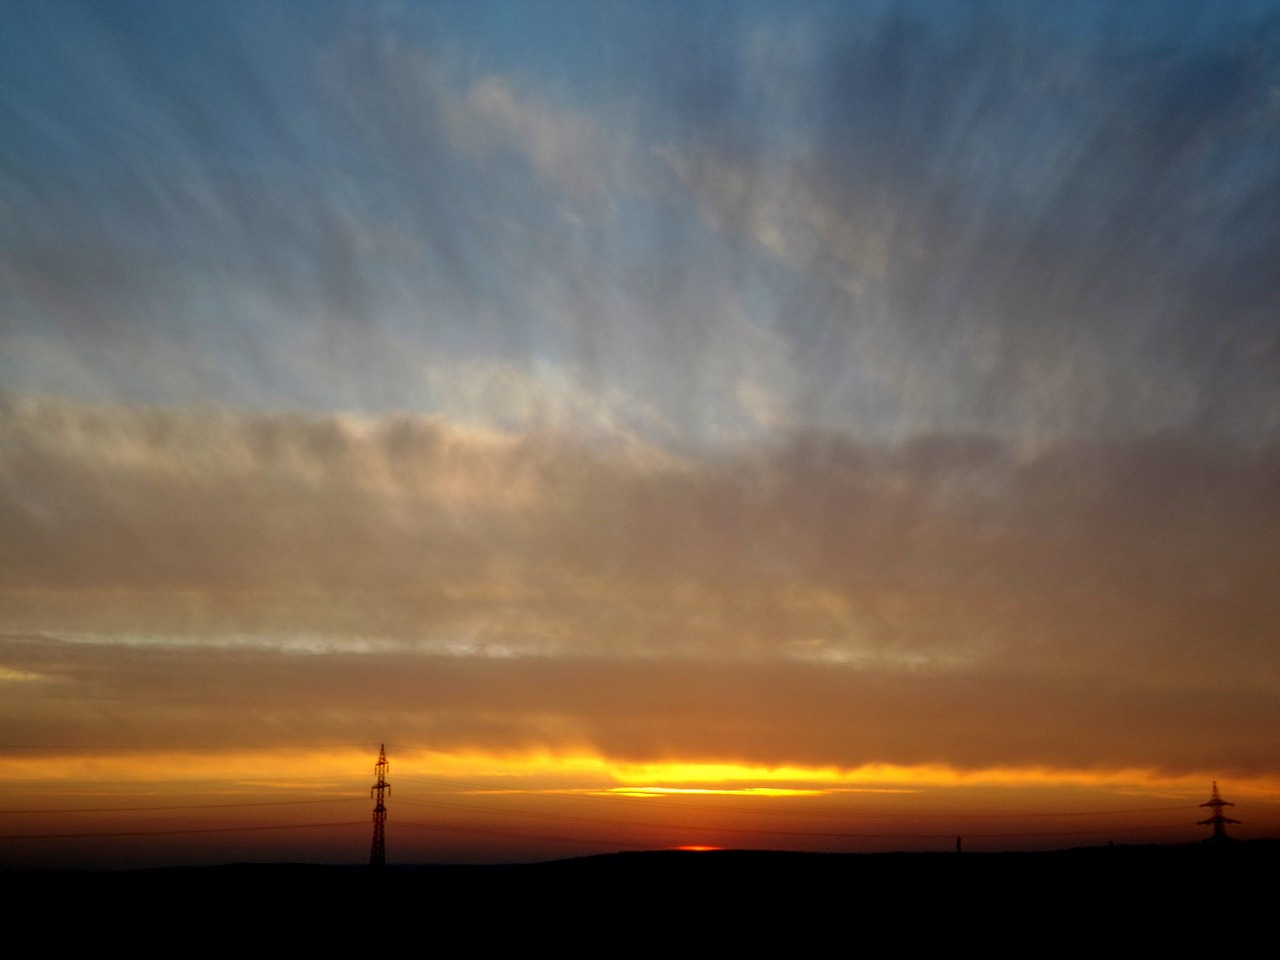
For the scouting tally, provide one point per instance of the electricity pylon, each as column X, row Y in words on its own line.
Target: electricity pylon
column 378, row 857
column 1219, row 820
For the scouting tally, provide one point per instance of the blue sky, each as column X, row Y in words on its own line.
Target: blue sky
column 879, row 219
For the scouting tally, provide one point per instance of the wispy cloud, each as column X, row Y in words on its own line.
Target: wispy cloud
column 938, row 551
column 635, row 711
column 565, row 147
column 785, row 212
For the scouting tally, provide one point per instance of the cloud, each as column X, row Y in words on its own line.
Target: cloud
column 938, row 224
column 940, row 553
column 538, row 398
column 631, row 710
column 784, row 211
column 565, row 147
column 1046, row 232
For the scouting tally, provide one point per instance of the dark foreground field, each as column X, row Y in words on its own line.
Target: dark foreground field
column 711, row 899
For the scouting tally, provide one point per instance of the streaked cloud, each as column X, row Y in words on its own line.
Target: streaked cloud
column 785, row 213
column 641, row 711
column 567, row 148
column 816, row 547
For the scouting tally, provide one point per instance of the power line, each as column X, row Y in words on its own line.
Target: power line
column 765, row 831
column 454, row 828
column 667, row 802
column 176, row 832
column 798, row 808
column 183, row 746
column 485, row 831
column 180, row 806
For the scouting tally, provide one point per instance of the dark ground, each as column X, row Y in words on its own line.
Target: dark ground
column 708, row 901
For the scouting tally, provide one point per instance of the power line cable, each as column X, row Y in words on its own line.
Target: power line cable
column 181, row 806
column 766, row 831
column 667, row 802
column 485, row 831
column 178, row 832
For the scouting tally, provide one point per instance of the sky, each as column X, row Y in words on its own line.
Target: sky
column 808, row 425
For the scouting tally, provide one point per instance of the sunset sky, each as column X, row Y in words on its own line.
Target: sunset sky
column 795, row 425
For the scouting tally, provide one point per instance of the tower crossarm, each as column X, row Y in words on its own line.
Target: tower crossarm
column 1219, row 820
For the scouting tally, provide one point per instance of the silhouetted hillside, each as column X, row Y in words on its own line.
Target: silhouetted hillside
column 721, row 897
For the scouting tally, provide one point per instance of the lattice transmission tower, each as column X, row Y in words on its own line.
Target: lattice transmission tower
column 1219, row 820
column 378, row 857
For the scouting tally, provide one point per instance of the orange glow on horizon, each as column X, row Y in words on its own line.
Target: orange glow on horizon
column 466, row 807
column 252, row 770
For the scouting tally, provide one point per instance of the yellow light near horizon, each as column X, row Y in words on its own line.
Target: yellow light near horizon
column 247, row 771
column 892, row 778
column 652, row 791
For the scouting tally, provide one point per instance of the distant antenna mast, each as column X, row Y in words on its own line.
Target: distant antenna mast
column 378, row 858
column 1219, row 820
